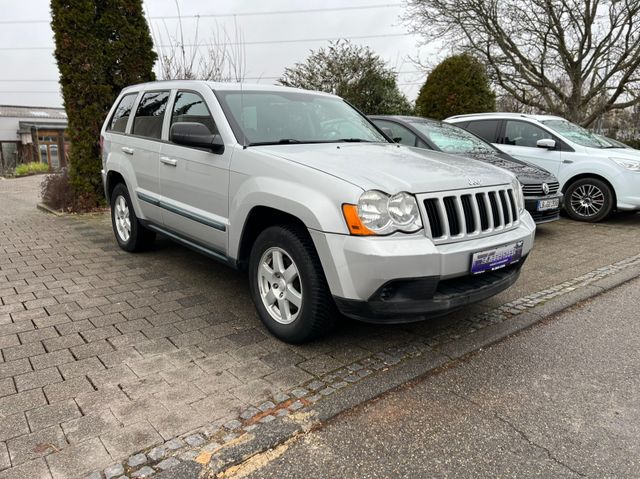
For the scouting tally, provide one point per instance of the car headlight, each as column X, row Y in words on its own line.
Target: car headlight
column 519, row 195
column 633, row 165
column 377, row 213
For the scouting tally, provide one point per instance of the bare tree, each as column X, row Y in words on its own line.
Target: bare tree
column 220, row 58
column 576, row 58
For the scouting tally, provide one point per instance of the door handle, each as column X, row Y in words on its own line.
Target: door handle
column 127, row 150
column 168, row 161
column 567, row 161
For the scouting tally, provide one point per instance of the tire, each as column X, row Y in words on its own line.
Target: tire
column 589, row 199
column 315, row 313
column 136, row 237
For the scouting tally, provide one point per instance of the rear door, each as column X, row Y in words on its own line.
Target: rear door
column 195, row 182
column 143, row 147
column 520, row 138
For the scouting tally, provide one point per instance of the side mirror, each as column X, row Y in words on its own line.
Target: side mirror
column 546, row 143
column 195, row 135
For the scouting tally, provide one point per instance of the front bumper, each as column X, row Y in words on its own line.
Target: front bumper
column 416, row 299
column 627, row 188
column 546, row 216
column 356, row 268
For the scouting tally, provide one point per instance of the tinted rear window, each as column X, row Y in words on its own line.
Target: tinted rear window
column 121, row 115
column 150, row 114
column 485, row 129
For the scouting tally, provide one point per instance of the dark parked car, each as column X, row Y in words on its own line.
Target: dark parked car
column 542, row 198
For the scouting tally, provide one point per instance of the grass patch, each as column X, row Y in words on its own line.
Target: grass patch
column 34, row 168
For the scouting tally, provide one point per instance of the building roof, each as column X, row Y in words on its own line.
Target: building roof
column 34, row 112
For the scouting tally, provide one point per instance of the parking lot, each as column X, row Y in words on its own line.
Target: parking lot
column 105, row 353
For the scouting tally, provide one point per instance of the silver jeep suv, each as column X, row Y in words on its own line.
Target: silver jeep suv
column 304, row 192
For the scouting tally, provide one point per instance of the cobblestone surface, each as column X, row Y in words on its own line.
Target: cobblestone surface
column 105, row 354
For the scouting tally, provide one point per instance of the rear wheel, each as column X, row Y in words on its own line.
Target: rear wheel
column 288, row 286
column 589, row 199
column 130, row 233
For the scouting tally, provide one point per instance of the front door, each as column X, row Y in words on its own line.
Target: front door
column 520, row 141
column 194, row 182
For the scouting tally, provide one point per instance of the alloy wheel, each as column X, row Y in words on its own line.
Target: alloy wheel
column 122, row 219
column 279, row 285
column 587, row 200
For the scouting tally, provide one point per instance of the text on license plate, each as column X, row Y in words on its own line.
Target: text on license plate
column 496, row 258
column 551, row 204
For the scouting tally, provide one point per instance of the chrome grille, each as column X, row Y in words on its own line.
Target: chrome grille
column 536, row 190
column 457, row 215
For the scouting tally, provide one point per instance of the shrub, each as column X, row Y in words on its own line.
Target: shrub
column 33, row 168
column 56, row 191
column 458, row 85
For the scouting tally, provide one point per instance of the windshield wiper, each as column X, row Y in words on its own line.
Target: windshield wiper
column 351, row 140
column 282, row 141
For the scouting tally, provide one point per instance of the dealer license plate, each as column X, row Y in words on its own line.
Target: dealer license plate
column 551, row 204
column 496, row 258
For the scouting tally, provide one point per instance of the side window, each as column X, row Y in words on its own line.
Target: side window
column 191, row 107
column 485, row 129
column 398, row 131
column 150, row 114
column 520, row 133
column 121, row 115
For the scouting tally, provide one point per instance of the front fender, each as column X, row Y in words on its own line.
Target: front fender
column 319, row 208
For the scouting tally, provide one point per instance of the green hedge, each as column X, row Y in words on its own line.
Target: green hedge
column 31, row 169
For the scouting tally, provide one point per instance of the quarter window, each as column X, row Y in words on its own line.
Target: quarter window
column 191, row 107
column 121, row 115
column 150, row 114
column 520, row 133
column 485, row 129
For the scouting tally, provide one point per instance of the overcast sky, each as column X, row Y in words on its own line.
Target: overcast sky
column 26, row 40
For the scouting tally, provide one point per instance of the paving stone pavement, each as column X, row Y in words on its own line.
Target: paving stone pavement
column 105, row 354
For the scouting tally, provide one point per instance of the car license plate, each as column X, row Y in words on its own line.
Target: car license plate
column 551, row 204
column 496, row 258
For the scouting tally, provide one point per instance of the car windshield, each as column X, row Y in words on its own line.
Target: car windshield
column 577, row 134
column 452, row 139
column 283, row 117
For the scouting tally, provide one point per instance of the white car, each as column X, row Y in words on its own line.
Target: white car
column 595, row 176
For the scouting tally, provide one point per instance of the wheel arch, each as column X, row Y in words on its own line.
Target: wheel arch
column 259, row 218
column 113, row 178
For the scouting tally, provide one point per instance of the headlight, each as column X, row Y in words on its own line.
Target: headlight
column 517, row 192
column 378, row 214
column 633, row 165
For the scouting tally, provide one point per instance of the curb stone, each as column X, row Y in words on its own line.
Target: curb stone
column 47, row 209
column 269, row 424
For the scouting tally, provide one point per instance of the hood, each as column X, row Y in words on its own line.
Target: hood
column 526, row 173
column 390, row 167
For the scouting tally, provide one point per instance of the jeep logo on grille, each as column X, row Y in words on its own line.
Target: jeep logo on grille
column 545, row 188
column 474, row 181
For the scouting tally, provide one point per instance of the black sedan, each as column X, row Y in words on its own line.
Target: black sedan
column 542, row 198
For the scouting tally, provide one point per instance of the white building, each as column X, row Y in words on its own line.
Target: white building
column 29, row 133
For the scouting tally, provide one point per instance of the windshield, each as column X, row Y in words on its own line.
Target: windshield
column 577, row 134
column 452, row 139
column 281, row 117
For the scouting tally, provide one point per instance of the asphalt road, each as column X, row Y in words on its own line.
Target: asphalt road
column 558, row 400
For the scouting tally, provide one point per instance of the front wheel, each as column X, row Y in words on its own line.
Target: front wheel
column 130, row 233
column 589, row 199
column 288, row 286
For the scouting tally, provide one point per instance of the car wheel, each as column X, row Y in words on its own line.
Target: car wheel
column 588, row 199
column 130, row 233
column 288, row 285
